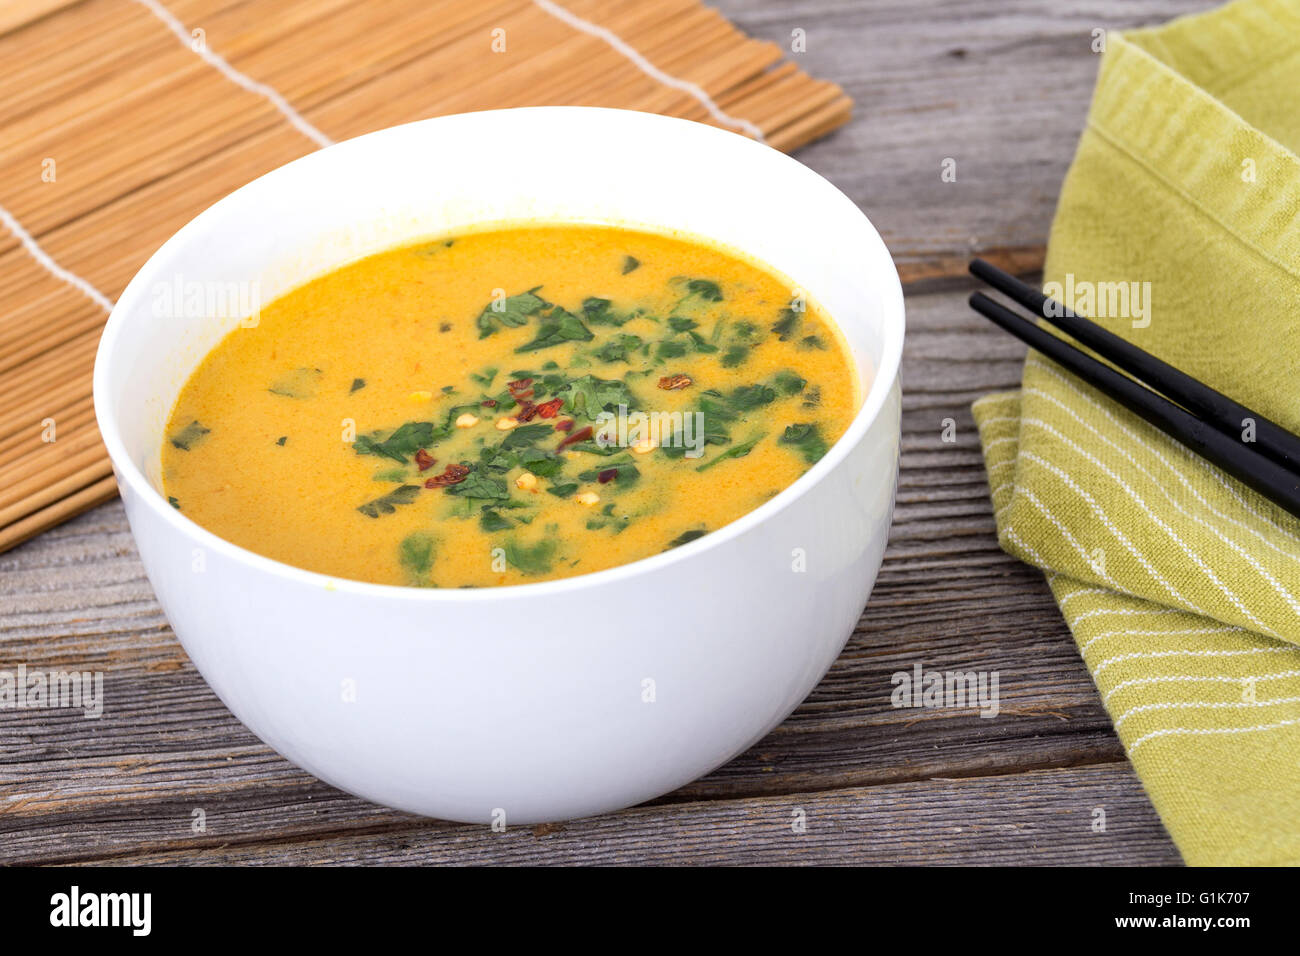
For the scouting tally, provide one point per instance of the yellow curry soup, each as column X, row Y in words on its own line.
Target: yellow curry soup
column 508, row 405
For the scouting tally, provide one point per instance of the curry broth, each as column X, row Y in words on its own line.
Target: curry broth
column 308, row 437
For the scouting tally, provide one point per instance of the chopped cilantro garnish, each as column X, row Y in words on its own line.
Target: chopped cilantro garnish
column 509, row 312
column 400, row 445
column 530, row 559
column 787, row 326
column 189, row 436
column 415, row 554
column 806, row 439
column 387, row 504
column 300, row 383
column 735, row 451
column 685, row 538
column 556, row 327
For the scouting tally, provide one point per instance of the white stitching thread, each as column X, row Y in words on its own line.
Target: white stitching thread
column 1157, row 655
column 646, row 67
column 1123, row 539
column 1227, row 628
column 1187, row 455
column 1168, row 464
column 47, row 262
column 1203, row 705
column 1141, row 503
column 229, row 72
column 1179, row 731
column 1175, row 678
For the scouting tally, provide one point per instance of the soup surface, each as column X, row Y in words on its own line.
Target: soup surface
column 508, row 406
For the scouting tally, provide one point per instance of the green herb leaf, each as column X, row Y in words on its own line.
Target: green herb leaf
column 590, row 396
column 752, row 396
column 681, row 324
column 387, row 504
column 357, row 384
column 539, row 461
column 489, row 520
column 415, row 554
column 479, row 485
column 618, row 347
column 629, row 264
column 787, row 326
column 513, row 312
column 400, row 445
column 735, row 451
column 807, row 439
column 558, row 326
column 670, row 349
column 735, row 355
column 530, row 559
column 300, row 383
column 788, row 383
column 485, row 377
column 626, row 472
column 189, row 436
column 685, row 538
column 174, row 502
column 563, row 490
column 596, row 311
column 701, row 344
column 706, row 289
column 281, row 440
column 526, row 435
column 714, row 406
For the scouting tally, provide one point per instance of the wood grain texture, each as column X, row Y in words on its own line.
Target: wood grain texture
column 1000, row 87
column 1041, row 818
column 878, row 784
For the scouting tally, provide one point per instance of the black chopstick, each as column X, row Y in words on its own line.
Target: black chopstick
column 1225, row 414
column 1264, row 474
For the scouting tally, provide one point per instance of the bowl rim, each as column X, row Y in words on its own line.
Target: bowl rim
column 885, row 374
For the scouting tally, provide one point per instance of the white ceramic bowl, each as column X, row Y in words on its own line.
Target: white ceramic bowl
column 541, row 701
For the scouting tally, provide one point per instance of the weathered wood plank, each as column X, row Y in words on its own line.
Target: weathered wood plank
column 1046, row 817
column 1001, row 88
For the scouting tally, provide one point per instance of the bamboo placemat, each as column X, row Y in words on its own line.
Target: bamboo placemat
column 122, row 119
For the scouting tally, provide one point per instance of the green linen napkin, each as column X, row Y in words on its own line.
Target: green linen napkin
column 1178, row 228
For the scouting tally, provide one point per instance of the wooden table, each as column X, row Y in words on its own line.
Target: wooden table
column 999, row 87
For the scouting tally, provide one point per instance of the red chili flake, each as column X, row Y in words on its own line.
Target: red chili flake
column 424, row 459
column 608, row 475
column 550, row 409
column 670, row 383
column 564, row 426
column 489, row 403
column 526, row 411
column 582, row 434
column 451, row 475
column 519, row 384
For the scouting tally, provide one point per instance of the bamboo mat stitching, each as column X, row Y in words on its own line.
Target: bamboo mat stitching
column 222, row 65
column 648, row 68
column 47, row 262
column 300, row 123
